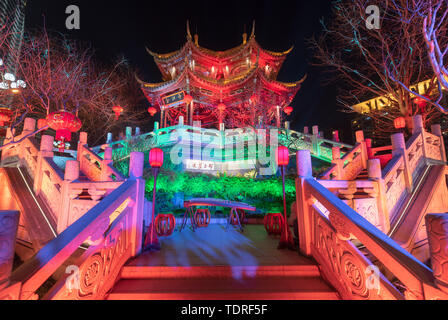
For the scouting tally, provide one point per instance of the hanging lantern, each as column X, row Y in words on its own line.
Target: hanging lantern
column 152, row 111
column 289, row 110
column 65, row 123
column 188, row 99
column 4, row 118
column 282, row 156
column 156, row 158
column 421, row 103
column 400, row 123
column 222, row 107
column 118, row 110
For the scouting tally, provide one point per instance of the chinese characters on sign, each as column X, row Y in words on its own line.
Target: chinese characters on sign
column 200, row 165
column 174, row 98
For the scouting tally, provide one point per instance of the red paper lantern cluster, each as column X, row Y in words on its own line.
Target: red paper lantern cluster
column 165, row 225
column 65, row 123
column 156, row 158
column 152, row 111
column 4, row 118
column 400, row 123
column 118, row 110
column 273, row 223
column 222, row 107
column 188, row 99
column 241, row 215
column 282, row 156
column 289, row 110
column 202, row 218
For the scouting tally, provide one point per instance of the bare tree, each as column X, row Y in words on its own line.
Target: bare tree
column 386, row 62
column 61, row 74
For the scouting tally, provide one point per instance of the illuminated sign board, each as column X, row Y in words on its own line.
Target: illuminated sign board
column 173, row 99
column 200, row 165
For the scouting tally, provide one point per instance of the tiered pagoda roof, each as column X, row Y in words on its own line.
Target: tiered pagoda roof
column 234, row 77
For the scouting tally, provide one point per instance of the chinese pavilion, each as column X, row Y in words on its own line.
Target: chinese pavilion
column 235, row 88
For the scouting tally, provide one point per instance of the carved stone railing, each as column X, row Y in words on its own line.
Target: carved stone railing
column 112, row 230
column 318, row 146
column 333, row 242
column 350, row 165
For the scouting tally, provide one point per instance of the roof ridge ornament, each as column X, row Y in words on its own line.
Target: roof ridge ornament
column 188, row 31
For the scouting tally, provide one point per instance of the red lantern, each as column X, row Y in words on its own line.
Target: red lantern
column 202, row 218
column 222, row 107
column 241, row 216
column 165, row 225
column 118, row 110
column 188, row 99
column 156, row 158
column 274, row 223
column 289, row 110
column 421, row 102
column 64, row 123
column 152, row 111
column 4, row 118
column 282, row 156
column 400, row 123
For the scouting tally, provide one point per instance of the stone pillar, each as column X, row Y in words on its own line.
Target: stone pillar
column 370, row 154
column 360, row 140
column 181, row 121
column 156, row 126
column 418, row 124
column 375, row 173
column 336, row 152
column 29, row 126
column 81, row 143
column 46, row 151
column 128, row 133
column 399, row 148
column 336, row 136
column 137, row 131
column 9, row 223
column 316, row 149
column 222, row 127
column 437, row 130
column 105, row 173
column 136, row 167
column 304, row 171
column 110, row 138
column 437, row 229
column 71, row 170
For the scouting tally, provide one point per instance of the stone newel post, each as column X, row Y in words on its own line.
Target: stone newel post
column 72, row 171
column 437, row 228
column 304, row 171
column 136, row 167
column 46, row 151
column 399, row 148
column 375, row 174
column 437, row 130
column 9, row 222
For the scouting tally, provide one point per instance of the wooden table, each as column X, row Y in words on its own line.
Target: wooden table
column 234, row 206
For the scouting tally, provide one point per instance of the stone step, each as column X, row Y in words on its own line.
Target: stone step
column 158, row 272
column 226, row 288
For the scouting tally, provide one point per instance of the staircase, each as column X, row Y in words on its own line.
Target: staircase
column 300, row 282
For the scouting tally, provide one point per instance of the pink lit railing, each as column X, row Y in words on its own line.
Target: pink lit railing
column 333, row 233
column 112, row 231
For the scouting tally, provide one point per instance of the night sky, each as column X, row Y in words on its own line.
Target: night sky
column 117, row 28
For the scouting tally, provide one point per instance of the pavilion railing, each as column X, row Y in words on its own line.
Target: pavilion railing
column 332, row 233
column 111, row 231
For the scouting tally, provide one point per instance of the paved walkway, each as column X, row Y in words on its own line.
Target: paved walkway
column 213, row 246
